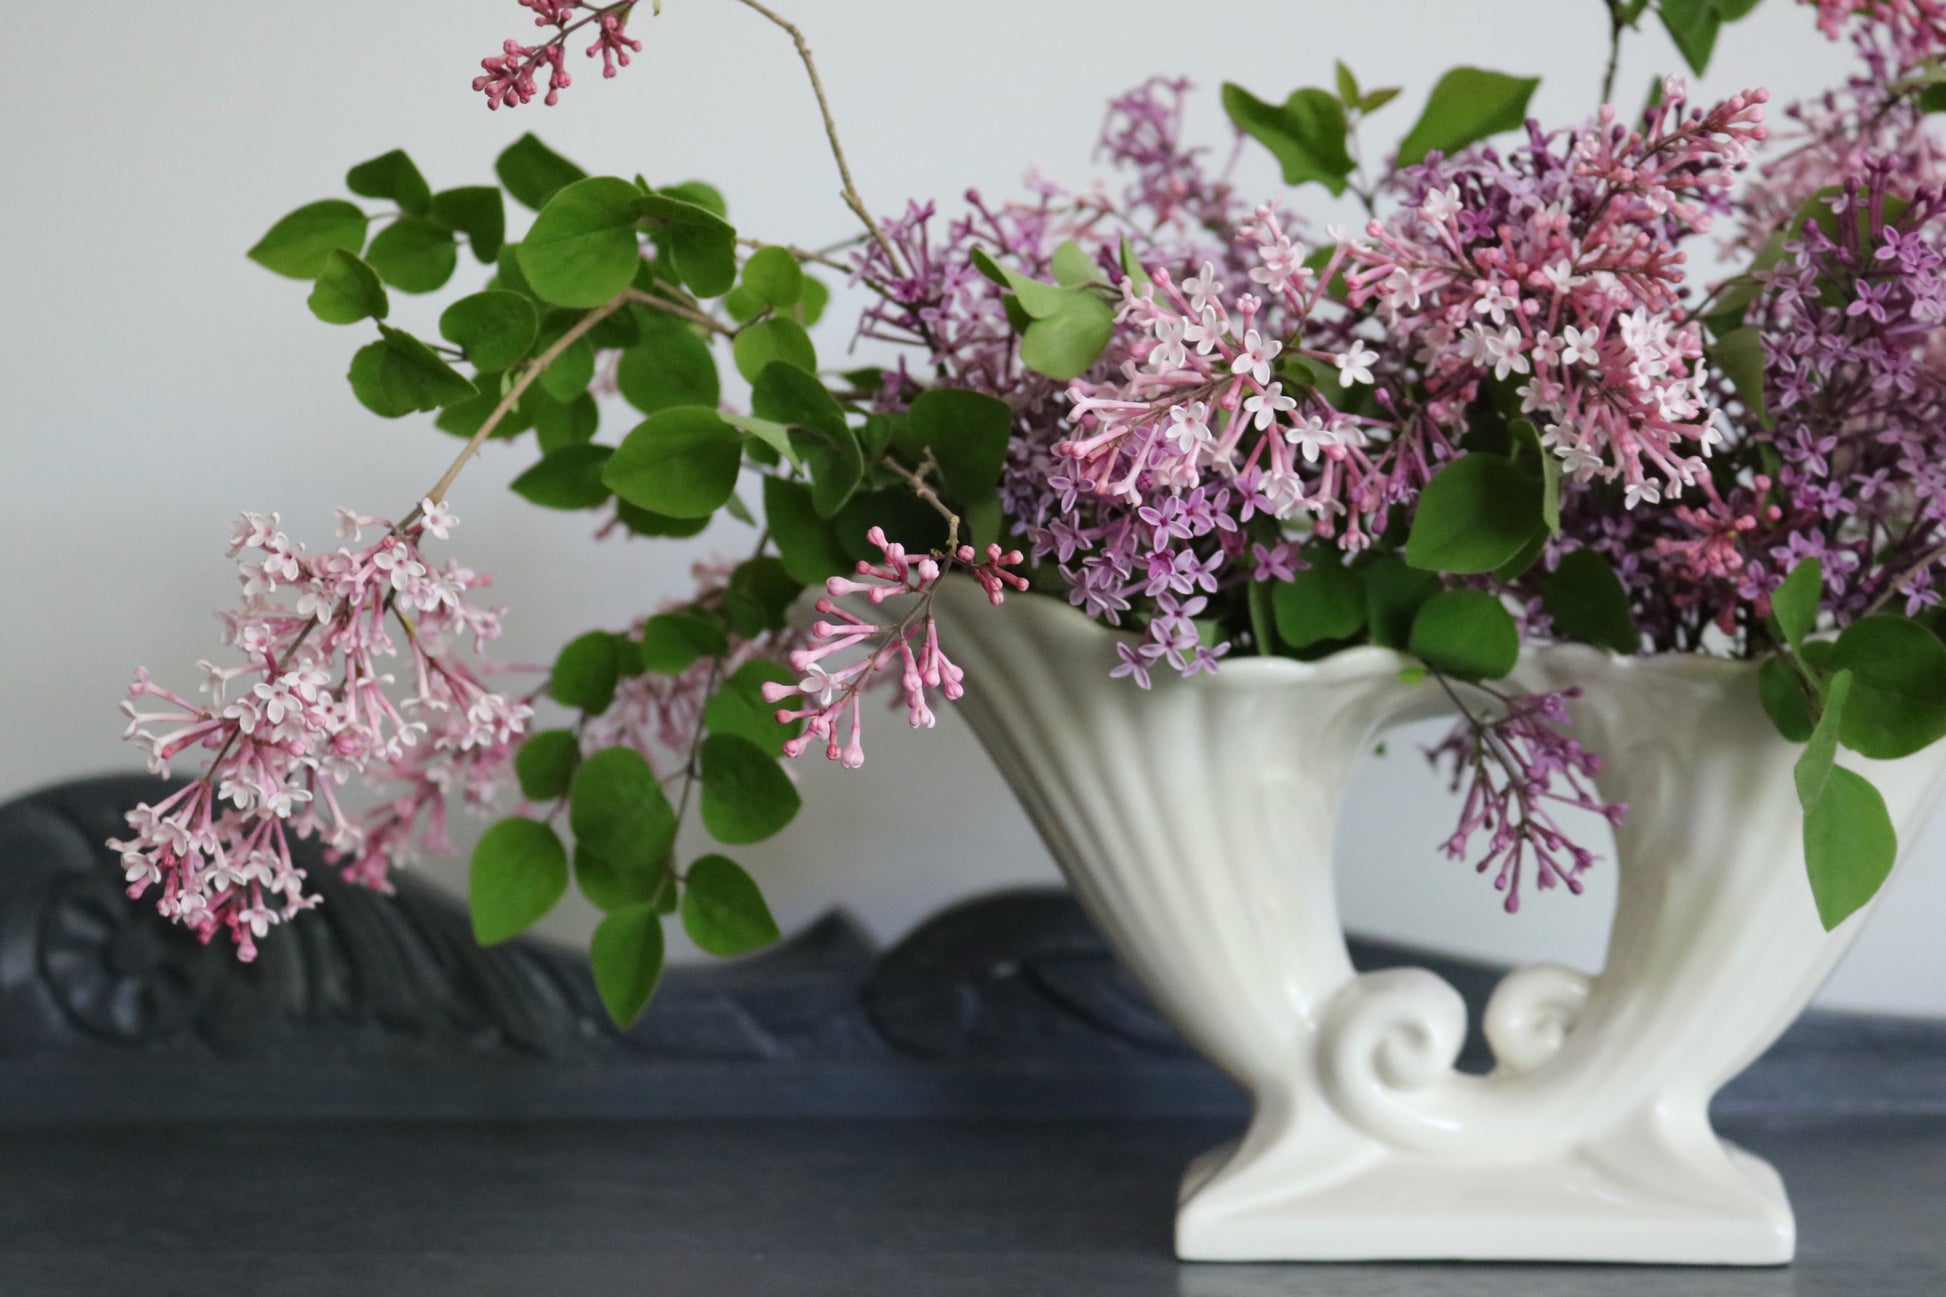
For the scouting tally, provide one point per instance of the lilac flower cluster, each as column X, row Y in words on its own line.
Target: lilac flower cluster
column 1559, row 266
column 311, row 705
column 1517, row 767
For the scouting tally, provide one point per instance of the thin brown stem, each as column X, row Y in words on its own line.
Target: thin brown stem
column 683, row 310
column 850, row 192
column 575, row 332
column 1932, row 557
column 696, row 742
column 1615, row 28
column 923, row 489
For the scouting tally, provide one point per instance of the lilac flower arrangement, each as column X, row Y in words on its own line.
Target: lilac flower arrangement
column 1501, row 412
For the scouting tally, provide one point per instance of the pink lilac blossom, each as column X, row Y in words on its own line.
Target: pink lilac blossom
column 1559, row 270
column 832, row 694
column 314, row 702
column 1206, row 427
column 1851, row 470
column 1875, row 115
column 507, row 78
column 1515, row 769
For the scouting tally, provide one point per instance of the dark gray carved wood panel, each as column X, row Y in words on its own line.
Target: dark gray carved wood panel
column 383, row 1006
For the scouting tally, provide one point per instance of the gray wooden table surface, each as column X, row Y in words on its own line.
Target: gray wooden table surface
column 725, row 1209
column 379, row 1106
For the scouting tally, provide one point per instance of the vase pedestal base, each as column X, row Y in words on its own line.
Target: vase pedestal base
column 1576, row 1207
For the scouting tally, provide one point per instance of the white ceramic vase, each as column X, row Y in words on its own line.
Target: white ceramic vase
column 1195, row 822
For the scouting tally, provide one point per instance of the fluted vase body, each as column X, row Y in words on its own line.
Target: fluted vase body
column 1196, row 821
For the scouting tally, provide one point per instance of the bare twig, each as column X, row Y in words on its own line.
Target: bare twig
column 850, row 192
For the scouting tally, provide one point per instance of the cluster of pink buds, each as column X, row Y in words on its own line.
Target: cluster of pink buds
column 1515, row 768
column 508, row 77
column 311, row 705
column 831, row 695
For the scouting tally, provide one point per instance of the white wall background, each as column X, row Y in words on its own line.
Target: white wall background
column 155, row 382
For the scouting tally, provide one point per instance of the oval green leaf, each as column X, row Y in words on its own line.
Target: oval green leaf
column 520, row 869
column 681, row 463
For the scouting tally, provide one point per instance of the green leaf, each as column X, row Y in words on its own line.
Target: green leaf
column 1347, row 86
column 1740, row 355
column 520, row 869
column 618, row 811
column 671, row 641
column 1586, row 601
column 1394, row 593
column 1794, row 604
column 464, row 418
column 585, row 672
column 1466, row 633
column 1898, row 696
column 399, row 375
column 722, row 909
column 738, row 706
column 702, row 194
column 1066, row 345
column 495, row 329
column 807, row 544
column 413, row 255
column 1325, row 602
column 1692, row 25
column 1850, row 846
column 561, row 424
column 1377, row 99
column 478, row 212
column 700, row 244
column 773, row 440
column 300, row 245
column 670, row 366
column 392, row 175
column 760, row 344
column 774, row 276
column 1468, row 104
column 1066, row 329
column 1475, row 514
column 644, row 522
column 568, row 478
column 810, row 306
column 582, row 249
column 747, row 797
column 967, row 433
column 759, row 596
column 567, row 376
column 1785, row 698
column 1819, row 758
column 609, row 886
column 347, row 291
column 787, row 394
column 545, row 764
column 626, row 955
column 1527, row 441
column 680, row 462
column 1074, row 267
column 1306, row 133
column 534, row 173
column 819, row 438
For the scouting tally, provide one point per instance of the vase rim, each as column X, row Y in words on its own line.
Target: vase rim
column 1364, row 661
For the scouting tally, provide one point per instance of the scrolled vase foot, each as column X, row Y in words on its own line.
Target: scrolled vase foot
column 1195, row 821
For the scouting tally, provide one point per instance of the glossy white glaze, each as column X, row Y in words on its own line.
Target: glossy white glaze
column 1195, row 821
